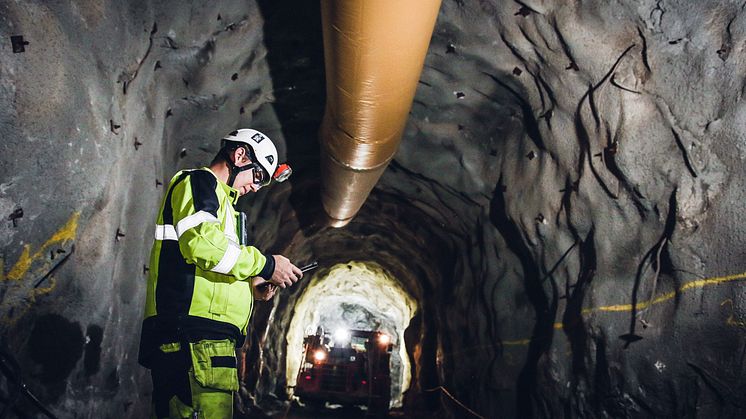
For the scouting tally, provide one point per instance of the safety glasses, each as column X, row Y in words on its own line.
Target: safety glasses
column 260, row 176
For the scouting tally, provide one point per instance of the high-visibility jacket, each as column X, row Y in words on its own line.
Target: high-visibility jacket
column 198, row 281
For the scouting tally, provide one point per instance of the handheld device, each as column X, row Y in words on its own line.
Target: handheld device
column 306, row 268
column 312, row 265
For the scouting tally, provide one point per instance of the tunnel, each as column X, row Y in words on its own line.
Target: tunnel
column 552, row 228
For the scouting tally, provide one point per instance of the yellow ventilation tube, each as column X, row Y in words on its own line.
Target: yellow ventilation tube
column 374, row 51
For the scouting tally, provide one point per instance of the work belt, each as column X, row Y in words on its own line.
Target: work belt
column 166, row 332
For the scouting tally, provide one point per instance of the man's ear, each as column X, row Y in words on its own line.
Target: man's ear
column 240, row 156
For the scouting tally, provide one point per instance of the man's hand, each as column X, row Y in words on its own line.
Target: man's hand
column 263, row 293
column 286, row 274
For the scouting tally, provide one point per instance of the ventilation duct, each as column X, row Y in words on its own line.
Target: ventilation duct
column 373, row 51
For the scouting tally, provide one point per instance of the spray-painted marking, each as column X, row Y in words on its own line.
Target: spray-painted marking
column 519, row 342
column 701, row 283
column 731, row 321
column 667, row 296
column 26, row 260
column 25, row 287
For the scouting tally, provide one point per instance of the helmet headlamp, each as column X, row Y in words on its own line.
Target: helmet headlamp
column 282, row 173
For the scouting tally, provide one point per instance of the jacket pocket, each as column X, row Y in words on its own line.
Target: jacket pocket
column 219, row 302
column 214, row 363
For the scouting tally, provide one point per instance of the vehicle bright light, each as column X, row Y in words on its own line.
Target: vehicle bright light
column 319, row 355
column 341, row 335
column 384, row 339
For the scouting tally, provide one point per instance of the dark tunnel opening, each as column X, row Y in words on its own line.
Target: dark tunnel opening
column 404, row 250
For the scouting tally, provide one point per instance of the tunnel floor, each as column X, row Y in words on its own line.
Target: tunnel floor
column 335, row 411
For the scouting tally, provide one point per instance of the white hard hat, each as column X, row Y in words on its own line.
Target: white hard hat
column 264, row 149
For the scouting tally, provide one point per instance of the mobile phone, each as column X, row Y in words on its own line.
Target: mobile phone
column 312, row 265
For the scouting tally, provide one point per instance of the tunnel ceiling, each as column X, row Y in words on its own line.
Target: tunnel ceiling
column 565, row 207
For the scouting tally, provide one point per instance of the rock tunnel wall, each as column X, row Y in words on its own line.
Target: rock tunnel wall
column 108, row 100
column 603, row 147
column 565, row 206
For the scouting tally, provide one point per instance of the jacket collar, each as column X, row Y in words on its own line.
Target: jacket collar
column 232, row 193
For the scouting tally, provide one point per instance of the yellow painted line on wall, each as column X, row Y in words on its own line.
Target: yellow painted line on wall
column 700, row 283
column 21, row 267
column 518, row 342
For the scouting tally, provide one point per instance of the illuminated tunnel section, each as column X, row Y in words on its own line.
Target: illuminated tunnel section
column 381, row 270
column 354, row 296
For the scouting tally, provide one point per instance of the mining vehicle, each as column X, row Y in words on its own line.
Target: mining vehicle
column 348, row 368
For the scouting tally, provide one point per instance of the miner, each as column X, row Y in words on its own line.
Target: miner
column 203, row 279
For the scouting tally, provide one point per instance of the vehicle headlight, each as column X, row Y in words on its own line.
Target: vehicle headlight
column 341, row 336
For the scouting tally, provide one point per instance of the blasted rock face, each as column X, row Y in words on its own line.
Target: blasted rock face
column 565, row 207
column 604, row 145
column 105, row 102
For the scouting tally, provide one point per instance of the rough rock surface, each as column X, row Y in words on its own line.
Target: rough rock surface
column 565, row 207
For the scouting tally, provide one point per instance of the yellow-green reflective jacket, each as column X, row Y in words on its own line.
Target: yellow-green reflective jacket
column 198, row 281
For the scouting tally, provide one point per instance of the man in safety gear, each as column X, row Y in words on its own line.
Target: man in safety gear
column 202, row 280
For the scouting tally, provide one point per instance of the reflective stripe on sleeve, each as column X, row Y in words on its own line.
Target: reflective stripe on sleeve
column 194, row 220
column 229, row 259
column 165, row 232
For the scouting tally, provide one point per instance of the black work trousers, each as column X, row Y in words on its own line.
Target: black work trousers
column 171, row 378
